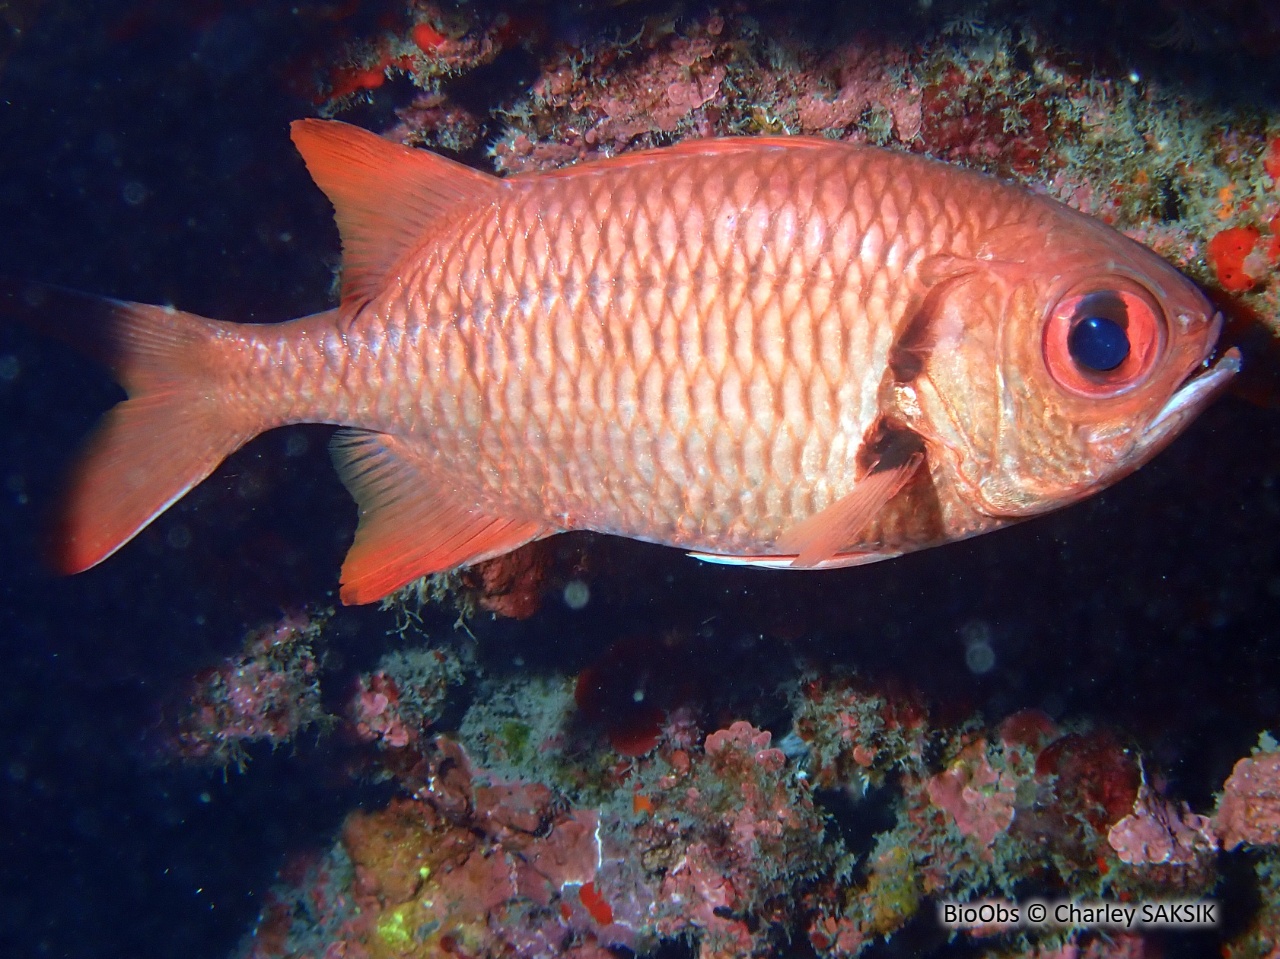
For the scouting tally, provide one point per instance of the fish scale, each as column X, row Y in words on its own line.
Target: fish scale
column 778, row 352
column 638, row 349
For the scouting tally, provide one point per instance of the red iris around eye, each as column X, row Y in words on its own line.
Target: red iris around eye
column 1103, row 341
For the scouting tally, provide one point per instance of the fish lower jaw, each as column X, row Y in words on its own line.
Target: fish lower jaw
column 1192, row 397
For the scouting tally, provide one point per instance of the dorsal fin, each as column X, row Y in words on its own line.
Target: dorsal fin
column 385, row 196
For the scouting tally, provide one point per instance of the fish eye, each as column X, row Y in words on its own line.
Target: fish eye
column 1103, row 342
column 1098, row 343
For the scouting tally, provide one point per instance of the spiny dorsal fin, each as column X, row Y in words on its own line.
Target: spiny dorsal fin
column 385, row 196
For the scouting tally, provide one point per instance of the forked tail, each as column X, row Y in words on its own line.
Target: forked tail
column 177, row 425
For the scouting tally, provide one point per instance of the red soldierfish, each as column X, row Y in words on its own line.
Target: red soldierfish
column 779, row 351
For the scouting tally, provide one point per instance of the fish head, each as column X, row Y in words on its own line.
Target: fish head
column 1055, row 363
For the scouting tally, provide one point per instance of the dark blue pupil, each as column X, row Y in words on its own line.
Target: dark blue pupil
column 1098, row 344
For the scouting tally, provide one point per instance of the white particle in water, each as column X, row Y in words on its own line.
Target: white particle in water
column 576, row 594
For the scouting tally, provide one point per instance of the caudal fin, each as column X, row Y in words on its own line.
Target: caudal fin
column 174, row 429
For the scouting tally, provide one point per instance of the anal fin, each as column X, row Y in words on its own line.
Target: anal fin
column 409, row 527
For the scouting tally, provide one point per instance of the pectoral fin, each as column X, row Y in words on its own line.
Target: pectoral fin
column 409, row 527
column 825, row 534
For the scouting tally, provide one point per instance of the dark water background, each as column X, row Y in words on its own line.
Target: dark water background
column 144, row 154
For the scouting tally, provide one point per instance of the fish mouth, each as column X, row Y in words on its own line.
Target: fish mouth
column 1196, row 392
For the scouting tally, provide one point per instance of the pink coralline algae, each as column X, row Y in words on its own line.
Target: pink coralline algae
column 268, row 693
column 978, row 799
column 1159, row 832
column 1249, row 808
column 661, row 94
column 1112, row 945
column 856, row 735
column 728, row 872
column 708, row 901
column 1021, row 803
column 467, row 868
column 487, row 868
column 375, row 712
column 742, row 739
column 394, row 705
column 718, row 840
column 577, row 849
column 862, row 76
